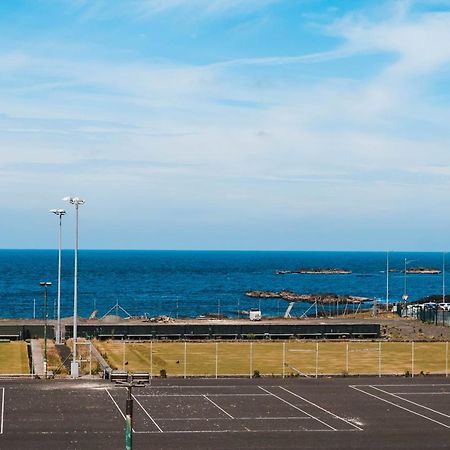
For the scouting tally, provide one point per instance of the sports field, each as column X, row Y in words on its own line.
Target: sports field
column 14, row 358
column 277, row 358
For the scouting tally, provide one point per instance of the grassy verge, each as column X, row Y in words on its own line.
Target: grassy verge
column 276, row 358
column 14, row 358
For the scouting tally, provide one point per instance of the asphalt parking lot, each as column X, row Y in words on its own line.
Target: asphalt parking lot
column 263, row 413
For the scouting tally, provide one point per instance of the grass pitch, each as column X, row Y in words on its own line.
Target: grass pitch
column 277, row 358
column 14, row 358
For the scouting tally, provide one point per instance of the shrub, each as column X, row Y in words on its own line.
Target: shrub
column 256, row 374
column 163, row 373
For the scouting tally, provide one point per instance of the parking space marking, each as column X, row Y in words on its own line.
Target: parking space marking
column 320, row 407
column 202, row 395
column 3, row 410
column 357, row 388
column 410, row 401
column 217, row 406
column 148, row 415
column 297, row 408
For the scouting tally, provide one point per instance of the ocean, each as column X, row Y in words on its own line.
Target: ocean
column 191, row 283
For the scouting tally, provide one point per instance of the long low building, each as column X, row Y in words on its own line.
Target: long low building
column 227, row 331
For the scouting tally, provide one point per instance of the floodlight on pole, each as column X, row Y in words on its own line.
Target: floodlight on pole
column 45, row 285
column 59, row 213
column 74, row 366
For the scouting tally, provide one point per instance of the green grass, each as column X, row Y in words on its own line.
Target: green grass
column 242, row 358
column 14, row 358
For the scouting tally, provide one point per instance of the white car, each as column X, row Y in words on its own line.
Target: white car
column 444, row 306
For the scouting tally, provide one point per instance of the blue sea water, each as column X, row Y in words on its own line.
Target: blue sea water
column 190, row 283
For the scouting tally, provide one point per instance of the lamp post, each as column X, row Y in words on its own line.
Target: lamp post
column 59, row 213
column 45, row 285
column 74, row 369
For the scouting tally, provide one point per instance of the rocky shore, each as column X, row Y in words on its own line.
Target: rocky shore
column 308, row 298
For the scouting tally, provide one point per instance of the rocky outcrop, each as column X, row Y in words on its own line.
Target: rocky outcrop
column 318, row 271
column 308, row 298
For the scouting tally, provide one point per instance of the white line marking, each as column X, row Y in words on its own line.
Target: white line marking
column 201, row 395
column 117, row 406
column 410, row 401
column 398, row 406
column 402, row 385
column 323, row 409
column 227, row 419
column 216, row 405
column 148, row 415
column 3, row 410
column 297, row 408
column 241, row 431
column 421, row 393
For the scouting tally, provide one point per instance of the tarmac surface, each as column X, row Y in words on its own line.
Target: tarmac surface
column 261, row 413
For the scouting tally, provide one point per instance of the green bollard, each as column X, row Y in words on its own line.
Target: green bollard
column 129, row 421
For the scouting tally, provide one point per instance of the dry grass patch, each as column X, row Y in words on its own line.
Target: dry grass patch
column 299, row 357
column 14, row 358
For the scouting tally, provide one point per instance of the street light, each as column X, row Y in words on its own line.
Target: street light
column 45, row 285
column 405, row 295
column 74, row 369
column 59, row 213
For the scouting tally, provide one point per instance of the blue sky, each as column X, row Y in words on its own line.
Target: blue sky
column 226, row 124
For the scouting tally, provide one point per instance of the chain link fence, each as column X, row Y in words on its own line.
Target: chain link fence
column 288, row 358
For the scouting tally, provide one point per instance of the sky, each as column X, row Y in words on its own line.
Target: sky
column 226, row 124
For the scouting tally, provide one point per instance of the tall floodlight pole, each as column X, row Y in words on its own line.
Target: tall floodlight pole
column 74, row 369
column 45, row 285
column 387, row 281
column 443, row 277
column 59, row 213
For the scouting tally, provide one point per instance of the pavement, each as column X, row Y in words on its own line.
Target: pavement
column 37, row 356
column 261, row 413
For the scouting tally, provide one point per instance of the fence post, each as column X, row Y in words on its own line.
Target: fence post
column 412, row 359
column 284, row 358
column 185, row 354
column 151, row 359
column 379, row 359
column 217, row 357
column 446, row 359
column 317, row 359
column 124, row 355
column 90, row 359
column 251, row 359
column 346, row 358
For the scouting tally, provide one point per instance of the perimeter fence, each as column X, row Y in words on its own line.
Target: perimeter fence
column 425, row 314
column 289, row 358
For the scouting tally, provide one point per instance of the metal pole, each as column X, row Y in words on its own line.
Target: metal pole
column 58, row 321
column 346, row 358
column 412, row 359
column 34, row 308
column 284, row 358
column 443, row 277
column 251, row 359
column 151, row 359
column 387, row 281
column 90, row 359
column 379, row 359
column 185, row 353
column 45, row 331
column 75, row 299
column 404, row 281
column 317, row 359
column 129, row 421
column 123, row 355
column 446, row 359
column 217, row 358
